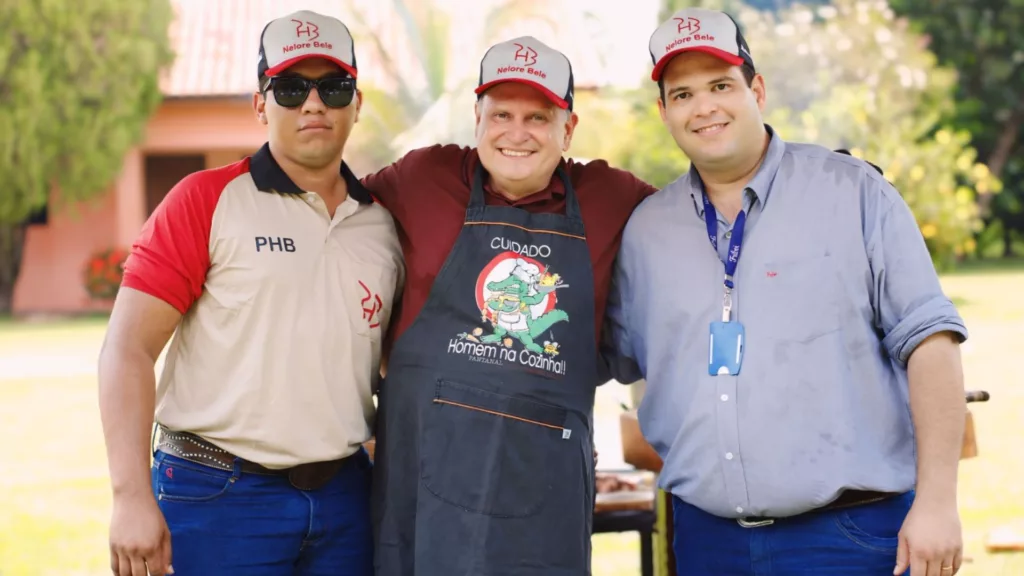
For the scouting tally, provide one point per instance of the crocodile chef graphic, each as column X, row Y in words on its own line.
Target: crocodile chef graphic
column 516, row 297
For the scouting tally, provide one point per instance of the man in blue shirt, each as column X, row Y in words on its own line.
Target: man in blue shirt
column 808, row 403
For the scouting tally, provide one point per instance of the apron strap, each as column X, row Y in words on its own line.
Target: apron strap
column 476, row 195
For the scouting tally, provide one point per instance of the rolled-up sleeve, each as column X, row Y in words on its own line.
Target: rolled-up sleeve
column 909, row 302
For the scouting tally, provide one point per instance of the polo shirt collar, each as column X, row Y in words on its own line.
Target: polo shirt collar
column 759, row 186
column 269, row 177
column 554, row 188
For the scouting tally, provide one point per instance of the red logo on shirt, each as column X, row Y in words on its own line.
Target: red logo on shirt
column 371, row 304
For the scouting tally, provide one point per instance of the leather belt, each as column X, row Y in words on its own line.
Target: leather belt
column 848, row 499
column 193, row 448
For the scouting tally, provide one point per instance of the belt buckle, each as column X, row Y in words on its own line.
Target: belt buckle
column 755, row 523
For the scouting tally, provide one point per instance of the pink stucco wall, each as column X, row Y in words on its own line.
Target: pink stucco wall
column 55, row 254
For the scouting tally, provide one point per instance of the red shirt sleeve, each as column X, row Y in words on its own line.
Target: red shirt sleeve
column 643, row 189
column 171, row 255
column 383, row 185
column 438, row 162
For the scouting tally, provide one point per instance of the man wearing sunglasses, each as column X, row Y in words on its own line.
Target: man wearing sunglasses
column 277, row 276
column 484, row 460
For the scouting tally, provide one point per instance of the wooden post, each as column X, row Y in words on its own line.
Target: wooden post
column 969, row 449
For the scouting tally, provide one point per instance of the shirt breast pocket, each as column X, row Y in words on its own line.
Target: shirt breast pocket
column 800, row 298
column 368, row 290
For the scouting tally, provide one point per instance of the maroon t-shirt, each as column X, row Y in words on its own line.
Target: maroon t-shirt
column 427, row 192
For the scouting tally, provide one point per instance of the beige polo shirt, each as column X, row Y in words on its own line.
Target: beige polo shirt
column 278, row 352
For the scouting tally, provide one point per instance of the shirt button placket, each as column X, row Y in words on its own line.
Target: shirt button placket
column 735, row 485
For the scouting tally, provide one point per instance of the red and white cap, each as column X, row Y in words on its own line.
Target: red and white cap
column 303, row 35
column 528, row 61
column 698, row 30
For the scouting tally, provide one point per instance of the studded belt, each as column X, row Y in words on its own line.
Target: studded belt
column 193, row 448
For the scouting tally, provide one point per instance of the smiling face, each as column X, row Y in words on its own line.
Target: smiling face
column 711, row 112
column 520, row 136
column 311, row 135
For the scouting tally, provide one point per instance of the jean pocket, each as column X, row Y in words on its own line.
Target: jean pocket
column 179, row 480
column 491, row 453
column 874, row 526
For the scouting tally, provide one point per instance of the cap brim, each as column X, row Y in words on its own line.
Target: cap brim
column 560, row 102
column 292, row 61
column 722, row 54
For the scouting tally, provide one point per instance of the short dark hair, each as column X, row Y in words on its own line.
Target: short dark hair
column 746, row 69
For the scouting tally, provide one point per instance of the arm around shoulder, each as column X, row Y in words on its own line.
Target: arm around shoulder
column 386, row 184
column 617, row 349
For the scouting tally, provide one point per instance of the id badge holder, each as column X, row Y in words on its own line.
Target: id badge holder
column 725, row 354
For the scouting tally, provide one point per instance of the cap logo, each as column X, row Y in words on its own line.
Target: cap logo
column 311, row 30
column 528, row 55
column 691, row 25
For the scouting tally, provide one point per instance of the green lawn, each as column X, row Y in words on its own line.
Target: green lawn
column 55, row 502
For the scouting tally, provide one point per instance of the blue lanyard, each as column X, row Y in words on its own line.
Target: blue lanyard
column 733, row 257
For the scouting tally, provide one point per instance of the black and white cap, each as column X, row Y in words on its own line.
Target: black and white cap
column 303, row 35
column 698, row 30
column 528, row 61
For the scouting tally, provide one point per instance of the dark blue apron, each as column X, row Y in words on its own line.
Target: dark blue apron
column 483, row 458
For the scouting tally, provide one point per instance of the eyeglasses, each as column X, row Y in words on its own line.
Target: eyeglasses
column 292, row 91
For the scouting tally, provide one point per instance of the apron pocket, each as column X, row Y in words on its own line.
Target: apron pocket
column 490, row 453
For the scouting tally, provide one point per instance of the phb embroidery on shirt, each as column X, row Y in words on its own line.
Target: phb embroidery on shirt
column 518, row 307
column 372, row 305
column 274, row 244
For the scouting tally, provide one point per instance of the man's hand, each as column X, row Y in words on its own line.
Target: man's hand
column 930, row 540
column 140, row 543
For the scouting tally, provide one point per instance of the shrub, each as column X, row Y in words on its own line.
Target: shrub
column 103, row 273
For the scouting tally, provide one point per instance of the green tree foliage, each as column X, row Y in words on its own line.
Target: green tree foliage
column 410, row 88
column 852, row 76
column 983, row 41
column 78, row 81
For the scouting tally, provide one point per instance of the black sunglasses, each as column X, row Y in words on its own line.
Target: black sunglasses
column 292, row 91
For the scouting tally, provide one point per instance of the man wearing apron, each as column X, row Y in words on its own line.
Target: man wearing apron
column 484, row 460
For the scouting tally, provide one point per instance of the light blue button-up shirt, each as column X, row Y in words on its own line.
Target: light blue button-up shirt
column 834, row 287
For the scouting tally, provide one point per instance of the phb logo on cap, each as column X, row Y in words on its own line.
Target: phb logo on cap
column 689, row 25
column 689, row 31
column 307, row 28
column 529, row 55
column 307, row 33
column 528, row 61
column 523, row 62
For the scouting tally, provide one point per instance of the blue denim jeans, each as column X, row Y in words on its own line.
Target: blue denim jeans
column 233, row 523
column 859, row 540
